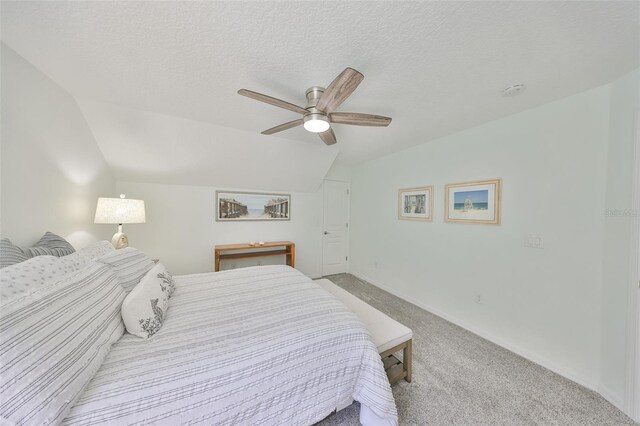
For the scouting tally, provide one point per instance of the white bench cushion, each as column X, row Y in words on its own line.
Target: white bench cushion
column 386, row 332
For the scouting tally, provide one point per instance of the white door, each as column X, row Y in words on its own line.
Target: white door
column 335, row 238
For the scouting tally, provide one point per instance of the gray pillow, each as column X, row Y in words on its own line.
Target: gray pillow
column 50, row 244
column 10, row 253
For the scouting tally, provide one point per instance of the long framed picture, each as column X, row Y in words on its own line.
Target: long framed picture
column 415, row 203
column 234, row 206
column 473, row 202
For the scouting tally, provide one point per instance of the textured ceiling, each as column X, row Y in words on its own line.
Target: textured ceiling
column 435, row 67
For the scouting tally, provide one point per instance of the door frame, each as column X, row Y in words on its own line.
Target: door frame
column 633, row 355
column 348, row 182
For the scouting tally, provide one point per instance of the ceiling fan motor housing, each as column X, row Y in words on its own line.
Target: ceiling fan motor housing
column 315, row 120
column 313, row 94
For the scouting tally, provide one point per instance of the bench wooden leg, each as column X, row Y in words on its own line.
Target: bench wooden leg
column 406, row 360
column 395, row 369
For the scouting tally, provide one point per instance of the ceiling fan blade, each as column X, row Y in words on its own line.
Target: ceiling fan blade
column 358, row 119
column 272, row 101
column 328, row 137
column 285, row 126
column 339, row 90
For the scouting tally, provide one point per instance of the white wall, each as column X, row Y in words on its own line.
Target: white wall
column 181, row 228
column 52, row 170
column 617, row 277
column 339, row 172
column 544, row 304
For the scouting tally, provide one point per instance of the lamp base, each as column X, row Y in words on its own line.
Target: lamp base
column 120, row 240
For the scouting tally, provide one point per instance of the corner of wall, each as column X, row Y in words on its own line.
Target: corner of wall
column 618, row 302
column 339, row 171
column 47, row 133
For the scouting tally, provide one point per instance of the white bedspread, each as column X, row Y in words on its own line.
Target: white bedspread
column 253, row 346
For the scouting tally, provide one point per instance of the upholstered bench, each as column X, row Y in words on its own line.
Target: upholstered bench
column 388, row 334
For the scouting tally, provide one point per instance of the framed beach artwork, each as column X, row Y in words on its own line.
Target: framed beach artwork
column 234, row 206
column 415, row 203
column 473, row 202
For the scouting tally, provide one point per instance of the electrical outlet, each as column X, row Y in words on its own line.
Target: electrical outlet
column 534, row 241
column 259, row 262
column 477, row 297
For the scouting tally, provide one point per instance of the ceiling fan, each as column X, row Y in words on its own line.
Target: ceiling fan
column 318, row 115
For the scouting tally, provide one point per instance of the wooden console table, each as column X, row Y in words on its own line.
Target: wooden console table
column 271, row 248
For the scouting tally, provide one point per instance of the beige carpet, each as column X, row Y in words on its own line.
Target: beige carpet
column 462, row 379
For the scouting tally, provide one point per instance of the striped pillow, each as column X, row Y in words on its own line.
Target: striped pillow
column 10, row 253
column 50, row 244
column 130, row 264
column 53, row 340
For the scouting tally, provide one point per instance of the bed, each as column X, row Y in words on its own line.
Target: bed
column 255, row 346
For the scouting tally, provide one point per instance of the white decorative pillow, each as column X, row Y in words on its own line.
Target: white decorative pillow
column 52, row 342
column 130, row 264
column 145, row 307
column 166, row 278
column 27, row 276
column 85, row 255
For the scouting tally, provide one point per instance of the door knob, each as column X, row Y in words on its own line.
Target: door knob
column 326, row 233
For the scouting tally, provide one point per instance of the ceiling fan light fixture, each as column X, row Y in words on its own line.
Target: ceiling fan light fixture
column 316, row 123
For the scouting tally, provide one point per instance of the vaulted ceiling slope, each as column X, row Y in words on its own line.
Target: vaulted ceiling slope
column 435, row 67
column 144, row 146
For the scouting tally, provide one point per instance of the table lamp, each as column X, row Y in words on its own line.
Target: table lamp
column 118, row 211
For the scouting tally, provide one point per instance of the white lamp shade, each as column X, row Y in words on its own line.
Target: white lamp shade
column 120, row 210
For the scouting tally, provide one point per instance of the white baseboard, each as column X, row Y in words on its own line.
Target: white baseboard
column 616, row 400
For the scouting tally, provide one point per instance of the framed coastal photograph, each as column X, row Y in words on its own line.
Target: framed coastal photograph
column 415, row 203
column 233, row 206
column 473, row 202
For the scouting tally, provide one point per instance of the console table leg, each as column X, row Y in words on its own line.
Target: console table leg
column 292, row 255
